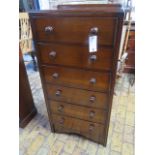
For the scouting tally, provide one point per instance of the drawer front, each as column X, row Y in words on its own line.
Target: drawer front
column 89, row 114
column 75, row 56
column 78, row 78
column 77, row 96
column 75, row 29
column 87, row 129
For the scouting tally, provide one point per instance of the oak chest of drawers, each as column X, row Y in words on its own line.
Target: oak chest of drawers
column 78, row 84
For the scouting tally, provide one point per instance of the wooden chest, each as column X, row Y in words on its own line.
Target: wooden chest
column 78, row 85
column 27, row 109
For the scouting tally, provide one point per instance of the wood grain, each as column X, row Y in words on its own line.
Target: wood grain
column 78, row 96
column 76, row 30
column 89, row 114
column 87, row 129
column 77, row 78
column 75, row 56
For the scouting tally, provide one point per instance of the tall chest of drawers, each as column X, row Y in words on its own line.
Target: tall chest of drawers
column 78, row 84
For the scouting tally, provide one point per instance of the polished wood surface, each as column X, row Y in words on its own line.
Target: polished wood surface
column 71, row 95
column 85, row 113
column 71, row 32
column 93, row 131
column 75, row 56
column 78, row 91
column 78, row 78
column 27, row 108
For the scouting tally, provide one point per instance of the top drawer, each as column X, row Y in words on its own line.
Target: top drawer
column 75, row 29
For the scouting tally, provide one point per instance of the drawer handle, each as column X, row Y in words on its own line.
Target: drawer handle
column 92, row 98
column 93, row 58
column 94, row 30
column 92, row 80
column 58, row 93
column 60, row 108
column 48, row 29
column 52, row 54
column 91, row 127
column 62, row 121
column 55, row 75
column 91, row 114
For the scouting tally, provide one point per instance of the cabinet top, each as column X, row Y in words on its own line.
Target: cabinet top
column 82, row 10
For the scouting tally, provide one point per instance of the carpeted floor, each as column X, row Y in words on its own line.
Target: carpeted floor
column 37, row 139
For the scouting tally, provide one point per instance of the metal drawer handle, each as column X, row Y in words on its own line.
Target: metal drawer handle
column 94, row 30
column 58, row 93
column 91, row 127
column 48, row 29
column 52, row 54
column 92, row 80
column 93, row 57
column 92, row 98
column 60, row 108
column 55, row 75
column 91, row 114
column 62, row 121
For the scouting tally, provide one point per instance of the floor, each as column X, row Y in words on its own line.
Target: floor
column 37, row 139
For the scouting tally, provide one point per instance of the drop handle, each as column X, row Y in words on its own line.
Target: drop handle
column 60, row 108
column 52, row 54
column 92, row 99
column 48, row 29
column 58, row 93
column 55, row 75
column 92, row 81
column 91, row 114
column 92, row 57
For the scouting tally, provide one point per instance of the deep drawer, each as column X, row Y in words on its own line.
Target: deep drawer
column 75, row 56
column 85, row 113
column 87, row 129
column 77, row 96
column 78, row 78
column 75, row 29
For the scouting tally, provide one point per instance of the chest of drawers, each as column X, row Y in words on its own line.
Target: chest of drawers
column 78, row 85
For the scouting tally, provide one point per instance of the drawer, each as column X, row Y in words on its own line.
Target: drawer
column 77, row 96
column 75, row 29
column 78, row 78
column 75, row 56
column 93, row 131
column 85, row 113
